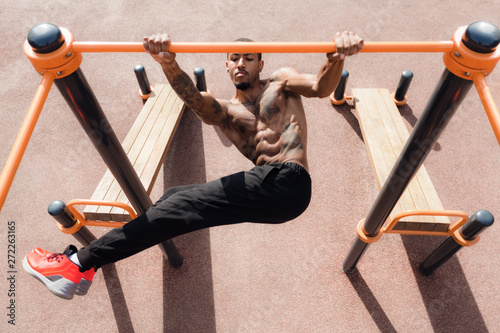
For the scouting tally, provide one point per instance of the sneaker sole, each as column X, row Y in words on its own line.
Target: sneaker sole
column 83, row 287
column 62, row 288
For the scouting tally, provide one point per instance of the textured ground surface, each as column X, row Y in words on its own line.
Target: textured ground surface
column 252, row 278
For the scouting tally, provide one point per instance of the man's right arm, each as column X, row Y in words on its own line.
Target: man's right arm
column 208, row 109
column 325, row 82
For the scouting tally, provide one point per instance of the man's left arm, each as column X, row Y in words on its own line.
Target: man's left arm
column 323, row 84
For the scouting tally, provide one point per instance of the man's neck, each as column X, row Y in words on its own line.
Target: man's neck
column 250, row 94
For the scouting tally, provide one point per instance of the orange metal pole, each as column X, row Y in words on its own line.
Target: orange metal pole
column 107, row 47
column 488, row 103
column 24, row 136
column 446, row 46
column 265, row 47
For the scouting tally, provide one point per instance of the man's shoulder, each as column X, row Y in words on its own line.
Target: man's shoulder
column 283, row 74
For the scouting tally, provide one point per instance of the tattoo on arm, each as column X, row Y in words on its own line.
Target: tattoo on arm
column 216, row 107
column 189, row 94
column 185, row 88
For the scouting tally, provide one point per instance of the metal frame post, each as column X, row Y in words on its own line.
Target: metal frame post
column 403, row 86
column 447, row 96
column 60, row 212
column 201, row 83
column 339, row 93
column 338, row 97
column 476, row 224
column 82, row 101
column 478, row 37
column 142, row 78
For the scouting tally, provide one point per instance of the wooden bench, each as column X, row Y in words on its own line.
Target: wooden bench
column 146, row 146
column 385, row 134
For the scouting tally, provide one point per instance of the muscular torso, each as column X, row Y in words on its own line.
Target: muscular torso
column 271, row 128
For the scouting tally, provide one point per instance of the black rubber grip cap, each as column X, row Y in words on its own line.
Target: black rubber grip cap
column 481, row 37
column 45, row 38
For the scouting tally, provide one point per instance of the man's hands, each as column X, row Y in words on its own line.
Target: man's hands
column 157, row 46
column 347, row 44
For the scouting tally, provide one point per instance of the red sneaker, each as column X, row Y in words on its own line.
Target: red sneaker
column 87, row 276
column 59, row 274
column 85, row 282
column 41, row 251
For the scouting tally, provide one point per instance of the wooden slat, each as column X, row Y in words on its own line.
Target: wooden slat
column 146, row 145
column 163, row 144
column 398, row 135
column 385, row 134
column 155, row 148
column 133, row 144
column 102, row 190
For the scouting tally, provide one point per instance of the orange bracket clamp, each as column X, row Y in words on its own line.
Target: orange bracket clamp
column 475, row 66
column 464, row 62
column 62, row 62
column 81, row 221
column 342, row 101
column 399, row 103
column 453, row 231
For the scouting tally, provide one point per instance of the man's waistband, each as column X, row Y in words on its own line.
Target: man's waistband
column 292, row 165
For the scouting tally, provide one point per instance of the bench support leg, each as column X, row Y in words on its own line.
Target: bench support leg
column 60, row 212
column 470, row 231
column 447, row 96
column 79, row 96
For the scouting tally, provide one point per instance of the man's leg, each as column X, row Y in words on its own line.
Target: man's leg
column 266, row 194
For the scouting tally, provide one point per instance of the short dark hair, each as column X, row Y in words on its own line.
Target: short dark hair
column 244, row 39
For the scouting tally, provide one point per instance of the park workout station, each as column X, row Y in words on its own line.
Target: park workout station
column 406, row 204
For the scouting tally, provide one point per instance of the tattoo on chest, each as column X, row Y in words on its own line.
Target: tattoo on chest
column 272, row 102
column 290, row 140
column 252, row 106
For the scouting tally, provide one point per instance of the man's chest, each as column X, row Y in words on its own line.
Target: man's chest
column 270, row 103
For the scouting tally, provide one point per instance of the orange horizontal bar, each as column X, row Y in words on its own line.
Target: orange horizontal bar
column 265, row 47
column 17, row 152
column 488, row 103
column 446, row 46
column 107, row 47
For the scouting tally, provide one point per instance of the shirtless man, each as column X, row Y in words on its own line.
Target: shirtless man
column 265, row 120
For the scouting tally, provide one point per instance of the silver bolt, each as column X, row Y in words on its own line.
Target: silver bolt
column 41, row 73
column 59, row 73
column 69, row 54
column 457, row 54
column 467, row 74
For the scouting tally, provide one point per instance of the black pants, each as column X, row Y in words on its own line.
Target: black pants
column 273, row 193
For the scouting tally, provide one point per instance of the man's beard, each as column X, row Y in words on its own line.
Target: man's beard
column 242, row 85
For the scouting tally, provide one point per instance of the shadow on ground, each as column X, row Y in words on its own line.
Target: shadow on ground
column 188, row 300
column 117, row 297
column 446, row 294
